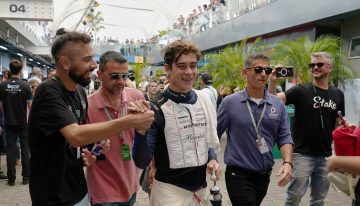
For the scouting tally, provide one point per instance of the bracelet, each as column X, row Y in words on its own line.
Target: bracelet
column 290, row 163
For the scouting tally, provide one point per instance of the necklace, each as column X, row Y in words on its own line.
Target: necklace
column 321, row 112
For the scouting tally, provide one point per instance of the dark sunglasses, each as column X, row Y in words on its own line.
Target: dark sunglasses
column 319, row 65
column 259, row 70
column 116, row 76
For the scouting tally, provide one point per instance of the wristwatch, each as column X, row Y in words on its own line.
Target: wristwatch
column 290, row 163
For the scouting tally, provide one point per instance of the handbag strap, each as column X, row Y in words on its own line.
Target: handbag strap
column 350, row 180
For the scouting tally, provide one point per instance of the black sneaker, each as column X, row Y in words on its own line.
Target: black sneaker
column 25, row 181
column 11, row 182
column 3, row 176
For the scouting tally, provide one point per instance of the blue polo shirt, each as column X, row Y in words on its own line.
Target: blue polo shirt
column 234, row 118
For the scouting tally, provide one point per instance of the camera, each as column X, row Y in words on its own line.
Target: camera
column 284, row 71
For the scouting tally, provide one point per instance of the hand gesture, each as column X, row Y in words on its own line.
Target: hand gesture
column 273, row 78
column 151, row 175
column 139, row 106
column 285, row 174
column 213, row 166
column 105, row 146
column 88, row 157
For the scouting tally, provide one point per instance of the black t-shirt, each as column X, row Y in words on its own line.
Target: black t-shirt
column 310, row 137
column 14, row 94
column 56, row 174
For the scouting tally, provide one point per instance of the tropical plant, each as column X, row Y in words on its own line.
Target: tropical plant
column 95, row 22
column 137, row 68
column 163, row 32
column 226, row 67
column 159, row 72
column 297, row 53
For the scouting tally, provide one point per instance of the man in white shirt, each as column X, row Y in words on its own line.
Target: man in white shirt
column 206, row 83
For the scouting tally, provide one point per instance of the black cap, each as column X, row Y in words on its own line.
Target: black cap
column 206, row 78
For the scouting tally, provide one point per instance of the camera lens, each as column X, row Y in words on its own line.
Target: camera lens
column 283, row 72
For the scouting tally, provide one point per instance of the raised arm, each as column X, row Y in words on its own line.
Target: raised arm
column 272, row 87
column 139, row 117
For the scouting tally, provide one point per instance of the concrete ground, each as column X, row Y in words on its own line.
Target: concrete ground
column 19, row 194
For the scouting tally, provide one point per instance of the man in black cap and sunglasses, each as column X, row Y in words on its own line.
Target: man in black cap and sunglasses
column 316, row 106
column 255, row 121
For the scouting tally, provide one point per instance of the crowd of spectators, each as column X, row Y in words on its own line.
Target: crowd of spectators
column 200, row 19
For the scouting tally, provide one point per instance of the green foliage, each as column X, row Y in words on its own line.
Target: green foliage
column 226, row 68
column 137, row 68
column 297, row 53
column 163, row 32
column 158, row 72
column 95, row 22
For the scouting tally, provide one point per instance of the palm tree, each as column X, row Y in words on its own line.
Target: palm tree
column 137, row 68
column 226, row 68
column 297, row 53
column 96, row 22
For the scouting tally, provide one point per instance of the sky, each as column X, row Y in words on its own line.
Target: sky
column 120, row 23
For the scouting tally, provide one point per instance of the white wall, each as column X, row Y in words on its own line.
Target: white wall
column 350, row 29
column 352, row 102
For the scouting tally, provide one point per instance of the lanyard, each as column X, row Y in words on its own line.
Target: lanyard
column 110, row 118
column 252, row 117
column 321, row 113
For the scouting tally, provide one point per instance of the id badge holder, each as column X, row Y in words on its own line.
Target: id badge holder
column 125, row 152
column 260, row 142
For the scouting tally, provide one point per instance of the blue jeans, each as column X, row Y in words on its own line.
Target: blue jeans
column 308, row 170
column 131, row 202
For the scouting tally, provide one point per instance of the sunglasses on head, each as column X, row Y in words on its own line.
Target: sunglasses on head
column 319, row 65
column 116, row 76
column 259, row 69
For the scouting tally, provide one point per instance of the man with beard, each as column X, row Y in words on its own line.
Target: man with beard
column 182, row 135
column 108, row 103
column 316, row 106
column 57, row 127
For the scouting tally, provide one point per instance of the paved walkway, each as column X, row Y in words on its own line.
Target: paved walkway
column 19, row 194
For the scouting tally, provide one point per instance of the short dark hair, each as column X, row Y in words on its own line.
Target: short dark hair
column 15, row 67
column 110, row 56
column 60, row 31
column 249, row 61
column 206, row 78
column 63, row 38
column 173, row 51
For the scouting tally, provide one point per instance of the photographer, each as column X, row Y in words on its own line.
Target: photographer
column 316, row 106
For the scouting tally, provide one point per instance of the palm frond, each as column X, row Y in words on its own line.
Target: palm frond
column 297, row 53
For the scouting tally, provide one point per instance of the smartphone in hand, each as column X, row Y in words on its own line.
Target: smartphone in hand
column 343, row 120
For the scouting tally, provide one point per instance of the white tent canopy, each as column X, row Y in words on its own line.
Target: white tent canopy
column 125, row 19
